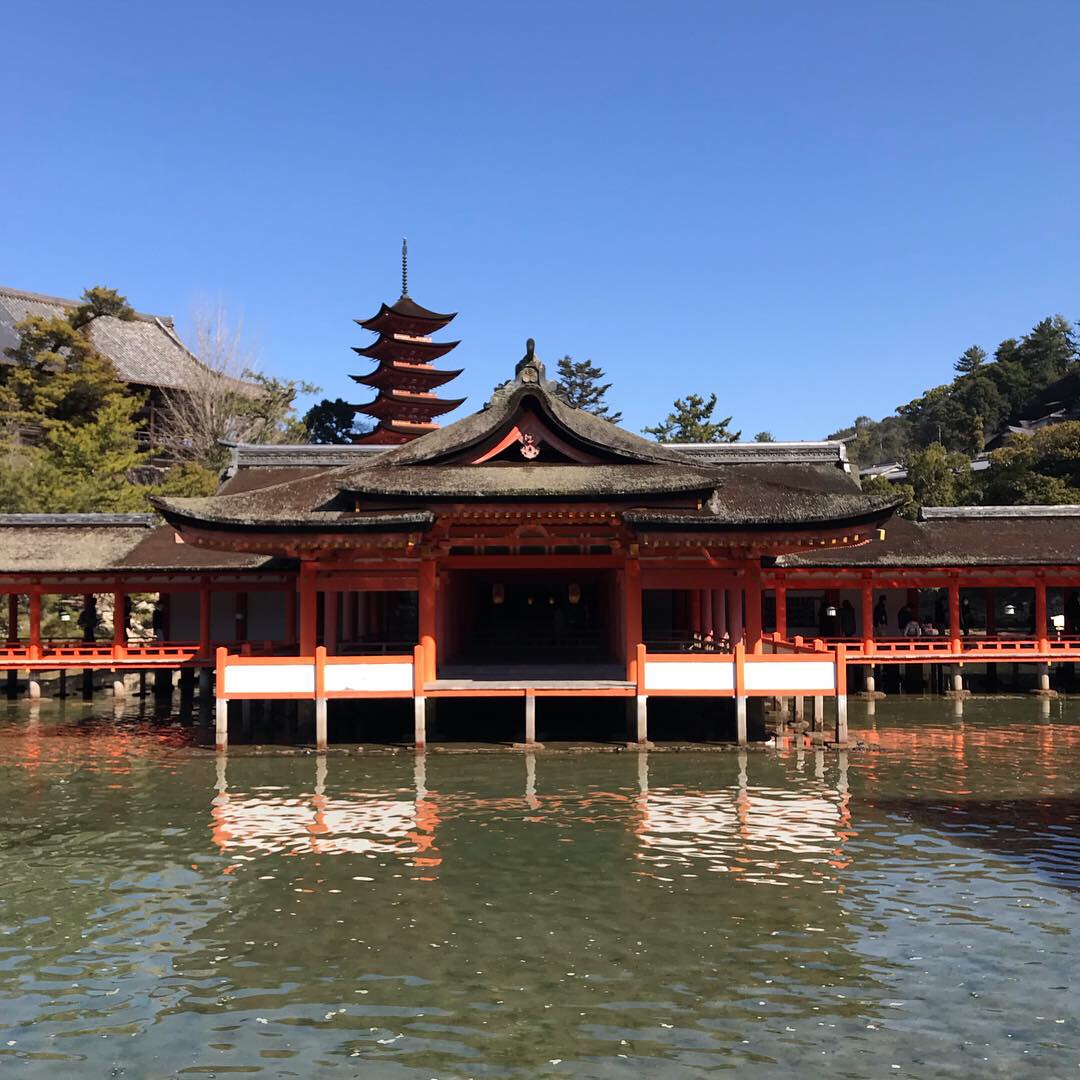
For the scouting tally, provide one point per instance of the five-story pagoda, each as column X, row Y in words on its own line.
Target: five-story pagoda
column 405, row 376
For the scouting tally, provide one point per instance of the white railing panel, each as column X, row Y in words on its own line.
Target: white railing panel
column 716, row 674
column 779, row 675
column 374, row 678
column 270, row 679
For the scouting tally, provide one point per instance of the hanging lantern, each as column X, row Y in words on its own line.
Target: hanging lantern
column 498, row 593
column 1009, row 609
column 830, row 611
column 573, row 593
column 551, row 599
column 529, row 601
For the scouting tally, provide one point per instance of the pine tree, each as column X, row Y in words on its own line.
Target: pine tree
column 691, row 422
column 970, row 360
column 764, row 436
column 333, row 422
column 579, row 383
column 68, row 425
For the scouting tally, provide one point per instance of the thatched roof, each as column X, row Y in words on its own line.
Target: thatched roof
column 964, row 536
column 398, row 488
column 98, row 543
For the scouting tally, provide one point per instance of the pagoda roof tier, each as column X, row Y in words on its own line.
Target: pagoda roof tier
column 402, row 375
column 396, row 432
column 528, row 446
column 404, row 405
column 406, row 316
column 405, row 347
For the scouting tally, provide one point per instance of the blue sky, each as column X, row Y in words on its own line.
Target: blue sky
column 810, row 209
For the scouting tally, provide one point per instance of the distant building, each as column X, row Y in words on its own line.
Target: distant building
column 146, row 351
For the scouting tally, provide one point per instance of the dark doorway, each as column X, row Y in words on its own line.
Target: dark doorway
column 532, row 618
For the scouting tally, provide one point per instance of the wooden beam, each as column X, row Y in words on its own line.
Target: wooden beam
column 632, row 618
column 428, row 616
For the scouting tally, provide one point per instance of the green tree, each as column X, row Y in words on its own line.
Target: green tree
column 878, row 485
column 939, row 477
column 764, row 436
column 970, row 360
column 579, row 383
column 99, row 301
column 331, row 422
column 1039, row 469
column 691, row 422
column 68, row 425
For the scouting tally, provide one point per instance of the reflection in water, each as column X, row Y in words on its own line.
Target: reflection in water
column 168, row 911
column 356, row 823
column 747, row 829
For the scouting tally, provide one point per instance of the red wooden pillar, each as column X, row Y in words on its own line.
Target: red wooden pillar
column 427, row 605
column 632, row 619
column 206, row 599
column 119, row 622
column 868, row 617
column 35, row 624
column 707, row 629
column 735, row 613
column 694, row 602
column 955, row 643
column 309, row 610
column 1042, row 632
column 13, row 617
column 781, row 610
column 719, row 613
column 331, row 613
column 753, row 615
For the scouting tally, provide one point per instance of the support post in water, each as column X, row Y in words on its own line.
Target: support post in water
column 419, row 700
column 221, row 733
column 530, row 718
column 641, row 701
column 841, row 695
column 320, row 698
column 740, row 693
column 819, row 712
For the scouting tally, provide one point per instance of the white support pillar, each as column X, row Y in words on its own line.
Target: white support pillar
column 798, row 711
column 222, row 732
column 740, row 720
column 871, row 681
column 530, row 719
column 420, row 721
column 641, row 719
column 320, row 723
column 1044, row 678
column 841, row 719
column 819, row 712
column 118, row 687
column 958, row 681
column 33, row 688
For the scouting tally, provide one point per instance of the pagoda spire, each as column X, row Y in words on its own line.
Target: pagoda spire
column 405, row 376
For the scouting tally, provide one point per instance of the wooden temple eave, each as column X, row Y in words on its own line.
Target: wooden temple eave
column 660, row 543
column 886, row 577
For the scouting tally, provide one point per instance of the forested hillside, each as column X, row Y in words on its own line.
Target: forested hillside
column 938, row 433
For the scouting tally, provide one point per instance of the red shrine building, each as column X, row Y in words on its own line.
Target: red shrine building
column 533, row 551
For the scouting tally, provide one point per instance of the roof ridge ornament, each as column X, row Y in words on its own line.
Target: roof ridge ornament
column 404, row 266
column 530, row 369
